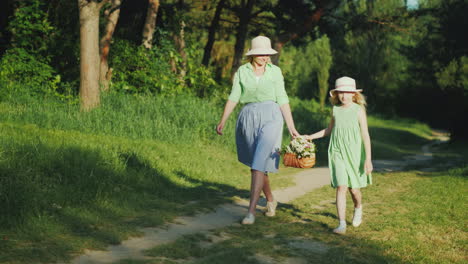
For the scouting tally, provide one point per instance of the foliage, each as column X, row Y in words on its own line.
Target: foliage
column 30, row 27
column 454, row 75
column 306, row 69
column 23, row 72
column 200, row 79
column 137, row 70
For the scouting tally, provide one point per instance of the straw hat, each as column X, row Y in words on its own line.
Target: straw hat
column 261, row 46
column 345, row 84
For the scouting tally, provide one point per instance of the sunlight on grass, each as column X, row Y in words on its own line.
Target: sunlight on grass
column 85, row 180
column 409, row 217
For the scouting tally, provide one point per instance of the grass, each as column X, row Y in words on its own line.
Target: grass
column 397, row 139
column 71, row 180
column 85, row 180
column 410, row 217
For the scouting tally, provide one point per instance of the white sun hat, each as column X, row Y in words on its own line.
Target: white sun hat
column 261, row 45
column 345, row 84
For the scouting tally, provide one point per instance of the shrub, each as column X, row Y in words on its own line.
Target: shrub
column 138, row 70
column 23, row 72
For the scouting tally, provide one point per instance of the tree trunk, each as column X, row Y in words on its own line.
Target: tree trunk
column 89, row 53
column 212, row 32
column 180, row 44
column 150, row 23
column 112, row 15
column 298, row 32
column 241, row 34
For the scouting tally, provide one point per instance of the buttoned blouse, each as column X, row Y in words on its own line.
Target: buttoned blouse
column 270, row 86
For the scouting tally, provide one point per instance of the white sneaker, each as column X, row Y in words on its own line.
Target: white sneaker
column 271, row 208
column 341, row 229
column 248, row 219
column 357, row 218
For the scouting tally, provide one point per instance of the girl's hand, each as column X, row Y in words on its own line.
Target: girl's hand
column 219, row 128
column 368, row 166
column 308, row 137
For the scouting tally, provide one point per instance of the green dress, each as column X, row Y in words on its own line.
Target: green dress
column 346, row 152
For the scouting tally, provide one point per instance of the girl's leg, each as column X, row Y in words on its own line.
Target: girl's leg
column 341, row 202
column 357, row 199
column 341, row 208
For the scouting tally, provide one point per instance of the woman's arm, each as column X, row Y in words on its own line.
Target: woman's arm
column 366, row 139
column 286, row 111
column 324, row 132
column 230, row 105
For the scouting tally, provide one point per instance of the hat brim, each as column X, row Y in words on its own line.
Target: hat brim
column 343, row 90
column 261, row 52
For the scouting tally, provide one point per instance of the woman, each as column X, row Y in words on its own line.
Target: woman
column 260, row 85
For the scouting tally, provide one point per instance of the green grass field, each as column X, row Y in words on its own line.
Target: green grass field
column 71, row 180
column 409, row 217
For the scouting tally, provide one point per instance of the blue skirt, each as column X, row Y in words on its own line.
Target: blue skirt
column 259, row 130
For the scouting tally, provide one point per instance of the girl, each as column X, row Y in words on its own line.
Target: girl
column 349, row 152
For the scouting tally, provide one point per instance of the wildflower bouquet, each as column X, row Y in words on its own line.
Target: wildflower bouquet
column 300, row 153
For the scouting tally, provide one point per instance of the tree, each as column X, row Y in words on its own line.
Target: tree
column 89, row 52
column 112, row 16
column 179, row 40
column 323, row 57
column 212, row 31
column 150, row 23
column 291, row 28
column 244, row 13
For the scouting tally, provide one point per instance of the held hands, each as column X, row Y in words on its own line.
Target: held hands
column 293, row 132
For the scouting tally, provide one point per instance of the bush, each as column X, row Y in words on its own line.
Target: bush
column 23, row 72
column 138, row 70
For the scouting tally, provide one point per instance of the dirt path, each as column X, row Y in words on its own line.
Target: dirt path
column 230, row 214
column 224, row 215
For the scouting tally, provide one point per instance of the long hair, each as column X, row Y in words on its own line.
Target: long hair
column 358, row 98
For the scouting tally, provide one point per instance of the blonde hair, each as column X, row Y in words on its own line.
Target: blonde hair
column 358, row 98
column 250, row 59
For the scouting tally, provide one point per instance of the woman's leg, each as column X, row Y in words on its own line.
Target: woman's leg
column 256, row 187
column 271, row 202
column 267, row 188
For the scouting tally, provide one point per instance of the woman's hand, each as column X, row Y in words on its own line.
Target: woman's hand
column 219, row 128
column 368, row 166
column 293, row 132
column 230, row 105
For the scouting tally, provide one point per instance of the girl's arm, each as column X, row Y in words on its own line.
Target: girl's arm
column 230, row 105
column 366, row 139
column 324, row 132
column 286, row 111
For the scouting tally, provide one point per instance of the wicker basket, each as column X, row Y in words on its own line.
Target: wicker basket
column 291, row 160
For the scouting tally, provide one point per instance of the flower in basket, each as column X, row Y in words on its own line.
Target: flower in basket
column 300, row 153
column 301, row 147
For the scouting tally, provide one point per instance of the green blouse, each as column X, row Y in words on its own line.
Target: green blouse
column 270, row 86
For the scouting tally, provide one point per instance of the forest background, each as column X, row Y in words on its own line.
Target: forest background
column 409, row 58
